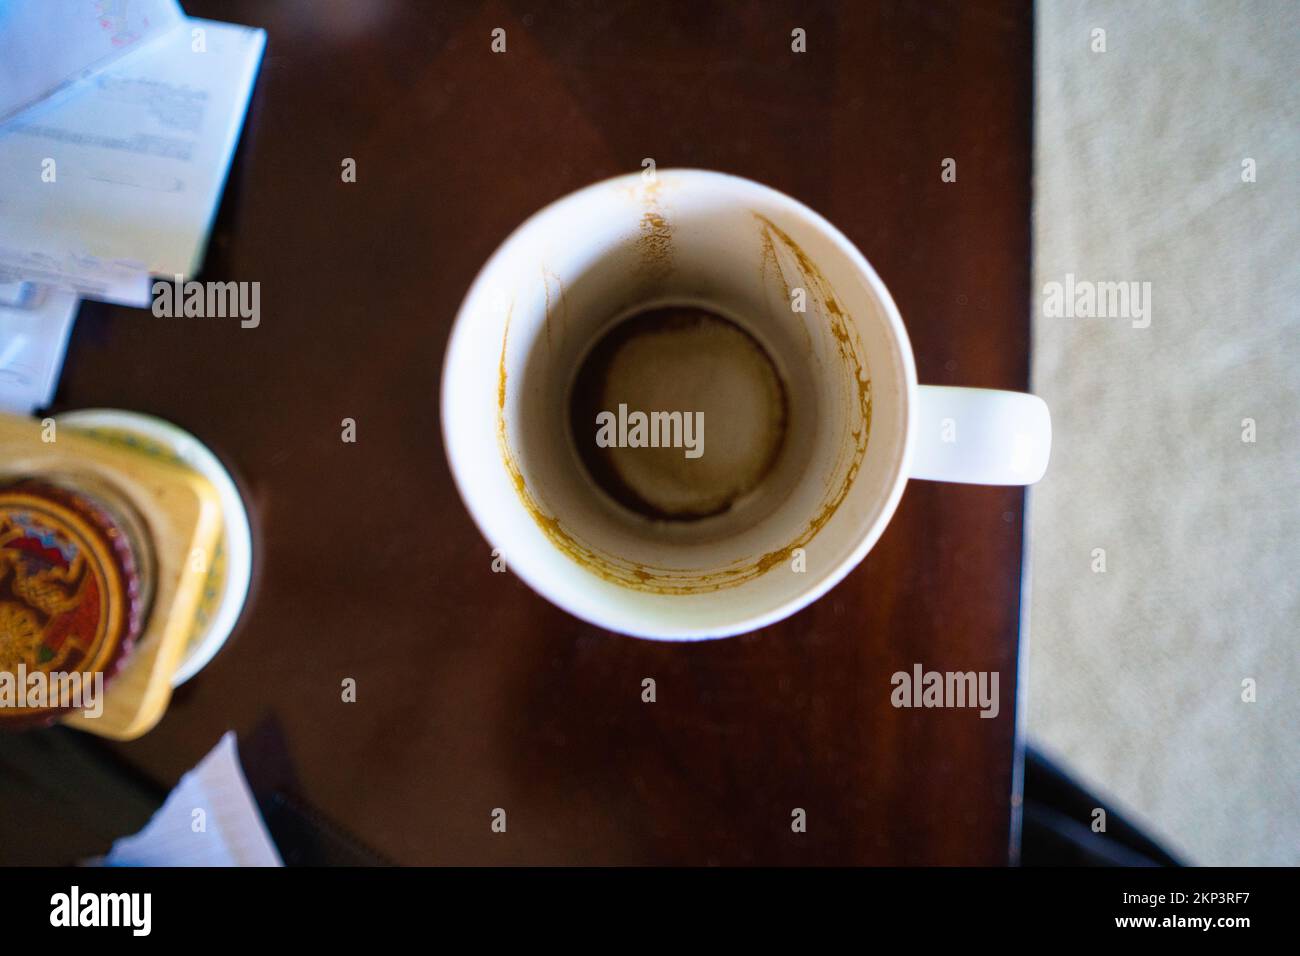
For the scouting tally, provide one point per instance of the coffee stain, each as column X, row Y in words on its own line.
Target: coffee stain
column 848, row 343
column 590, row 394
column 769, row 269
column 849, row 346
column 605, row 566
column 768, row 259
column 647, row 190
column 501, row 373
column 656, row 245
column 559, row 303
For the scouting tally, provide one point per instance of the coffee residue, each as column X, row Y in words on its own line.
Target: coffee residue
column 706, row 371
column 656, row 245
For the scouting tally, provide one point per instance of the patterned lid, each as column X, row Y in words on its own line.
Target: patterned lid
column 70, row 600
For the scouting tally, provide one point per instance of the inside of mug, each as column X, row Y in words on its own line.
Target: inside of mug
column 751, row 256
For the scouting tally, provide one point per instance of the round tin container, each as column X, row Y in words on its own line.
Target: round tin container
column 75, row 584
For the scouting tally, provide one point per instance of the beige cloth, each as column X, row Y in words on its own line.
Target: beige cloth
column 1135, row 674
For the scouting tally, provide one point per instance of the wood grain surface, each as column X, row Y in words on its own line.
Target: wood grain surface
column 473, row 693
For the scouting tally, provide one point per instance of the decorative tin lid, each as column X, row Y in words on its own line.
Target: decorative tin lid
column 70, row 600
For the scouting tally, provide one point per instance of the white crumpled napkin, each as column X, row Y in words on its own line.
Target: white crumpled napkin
column 209, row 819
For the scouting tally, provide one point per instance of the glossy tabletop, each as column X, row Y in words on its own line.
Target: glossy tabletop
column 473, row 693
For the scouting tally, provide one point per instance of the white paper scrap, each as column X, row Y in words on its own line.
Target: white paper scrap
column 121, row 177
column 47, row 45
column 209, row 819
column 33, row 339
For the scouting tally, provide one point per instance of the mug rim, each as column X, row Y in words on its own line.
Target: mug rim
column 869, row 535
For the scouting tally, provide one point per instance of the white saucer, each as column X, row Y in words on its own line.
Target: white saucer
column 224, row 593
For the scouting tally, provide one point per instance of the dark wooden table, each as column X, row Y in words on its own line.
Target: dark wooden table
column 473, row 693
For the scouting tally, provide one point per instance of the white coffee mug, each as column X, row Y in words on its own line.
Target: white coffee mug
column 858, row 424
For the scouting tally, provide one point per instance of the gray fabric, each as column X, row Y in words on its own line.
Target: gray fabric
column 1135, row 674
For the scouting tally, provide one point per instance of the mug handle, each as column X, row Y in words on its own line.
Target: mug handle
column 980, row 436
